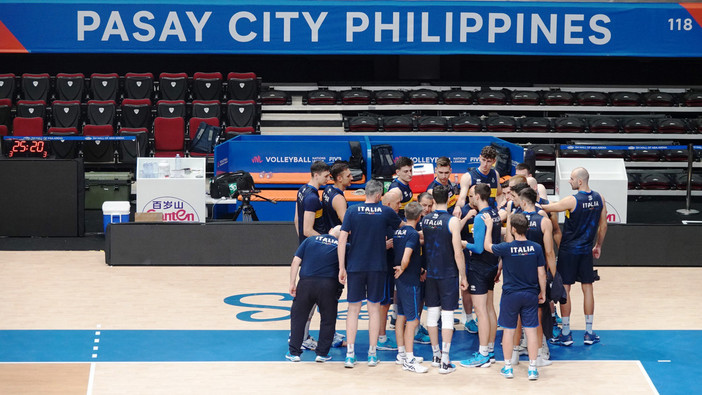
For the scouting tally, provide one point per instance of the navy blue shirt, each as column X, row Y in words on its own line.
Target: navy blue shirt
column 308, row 200
column 330, row 215
column 441, row 261
column 319, row 256
column 476, row 177
column 406, row 194
column 407, row 237
column 452, row 195
column 480, row 256
column 520, row 263
column 534, row 232
column 580, row 227
column 367, row 224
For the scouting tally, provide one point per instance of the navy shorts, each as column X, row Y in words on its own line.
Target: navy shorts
column 522, row 304
column 388, row 289
column 481, row 278
column 442, row 292
column 365, row 286
column 409, row 299
column 575, row 267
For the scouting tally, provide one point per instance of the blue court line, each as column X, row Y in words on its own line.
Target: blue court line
column 649, row 347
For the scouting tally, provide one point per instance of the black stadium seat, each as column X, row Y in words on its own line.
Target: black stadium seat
column 7, row 86
column 501, row 123
column 104, row 86
column 625, row 99
column 173, row 86
column 357, row 96
column 457, row 96
column 70, row 86
column 558, row 98
column 467, row 123
column 526, row 98
column 171, row 109
column 492, row 97
column 592, row 98
column 31, row 108
column 535, row 125
column 424, row 96
column 604, row 125
column 36, row 86
column 136, row 113
column 66, row 113
column 321, row 97
column 658, row 99
column 101, row 112
column 390, row 97
column 242, row 86
column 429, row 123
column 138, row 85
column 207, row 86
column 363, row 123
column 207, row 108
column 241, row 113
column 398, row 123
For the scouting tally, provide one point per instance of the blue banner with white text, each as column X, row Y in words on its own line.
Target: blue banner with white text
column 352, row 27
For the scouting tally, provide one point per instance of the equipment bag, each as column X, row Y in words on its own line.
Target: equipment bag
column 205, row 138
column 357, row 162
column 504, row 159
column 382, row 164
column 229, row 184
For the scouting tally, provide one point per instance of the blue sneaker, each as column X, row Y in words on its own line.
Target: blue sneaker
column 387, row 345
column 478, row 361
column 447, row 368
column 323, row 358
column 349, row 362
column 293, row 358
column 423, row 330
column 471, row 326
column 556, row 332
column 421, row 338
column 507, row 372
column 532, row 373
column 563, row 340
column 558, row 320
column 491, row 355
column 591, row 338
column 373, row 360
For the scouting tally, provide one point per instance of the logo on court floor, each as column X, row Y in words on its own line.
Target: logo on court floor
column 274, row 306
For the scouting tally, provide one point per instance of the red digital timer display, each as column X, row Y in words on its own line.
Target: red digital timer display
column 24, row 148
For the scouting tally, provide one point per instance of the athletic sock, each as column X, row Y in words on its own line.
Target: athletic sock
column 350, row 350
column 371, row 350
column 401, row 349
column 491, row 347
column 409, row 356
column 566, row 326
column 508, row 364
column 464, row 316
column 435, row 350
column 588, row 323
column 483, row 350
column 445, row 348
column 382, row 338
column 532, row 364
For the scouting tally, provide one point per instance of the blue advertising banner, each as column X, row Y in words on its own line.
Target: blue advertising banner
column 352, row 27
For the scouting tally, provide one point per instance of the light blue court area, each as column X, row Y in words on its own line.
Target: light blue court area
column 666, row 355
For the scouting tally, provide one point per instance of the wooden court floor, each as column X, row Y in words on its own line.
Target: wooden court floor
column 223, row 330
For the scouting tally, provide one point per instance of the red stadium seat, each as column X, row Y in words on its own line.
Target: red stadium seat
column 169, row 137
column 22, row 126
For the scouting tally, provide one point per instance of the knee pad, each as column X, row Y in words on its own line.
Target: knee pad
column 433, row 314
column 446, row 319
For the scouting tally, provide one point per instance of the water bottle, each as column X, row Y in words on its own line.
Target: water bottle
column 177, row 162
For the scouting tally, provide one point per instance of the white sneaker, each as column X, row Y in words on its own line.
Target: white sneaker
column 309, row 344
column 515, row 358
column 545, row 353
column 414, row 366
column 542, row 362
column 436, row 361
column 400, row 360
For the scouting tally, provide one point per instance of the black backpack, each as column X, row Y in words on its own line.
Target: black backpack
column 229, row 184
column 504, row 159
column 357, row 162
column 205, row 138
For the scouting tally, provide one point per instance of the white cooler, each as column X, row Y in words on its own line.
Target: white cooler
column 114, row 212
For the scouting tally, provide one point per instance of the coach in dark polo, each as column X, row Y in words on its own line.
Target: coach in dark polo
column 318, row 264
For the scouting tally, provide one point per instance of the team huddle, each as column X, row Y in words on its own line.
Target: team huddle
column 453, row 242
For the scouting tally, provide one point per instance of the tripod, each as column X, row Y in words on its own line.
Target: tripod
column 246, row 208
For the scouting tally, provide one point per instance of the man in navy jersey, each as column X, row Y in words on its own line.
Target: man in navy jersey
column 523, row 289
column 443, row 177
column 318, row 263
column 403, row 171
column 364, row 227
column 445, row 275
column 539, row 230
column 309, row 220
column 522, row 169
column 483, row 174
column 407, row 272
column 582, row 237
column 334, row 203
column 391, row 199
column 482, row 274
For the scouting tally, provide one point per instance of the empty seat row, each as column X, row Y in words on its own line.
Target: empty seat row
column 555, row 97
column 497, row 123
column 110, row 86
column 548, row 152
column 133, row 113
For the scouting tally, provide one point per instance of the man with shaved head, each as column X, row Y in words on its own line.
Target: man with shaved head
column 583, row 234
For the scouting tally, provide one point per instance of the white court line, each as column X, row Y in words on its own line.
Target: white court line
column 91, row 379
column 648, row 379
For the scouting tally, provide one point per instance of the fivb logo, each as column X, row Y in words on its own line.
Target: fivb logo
column 256, row 159
column 173, row 209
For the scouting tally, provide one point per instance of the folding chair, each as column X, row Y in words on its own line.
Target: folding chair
column 173, row 86
column 171, row 109
column 207, row 86
column 242, row 113
column 138, row 85
column 169, row 137
column 104, row 86
column 66, row 114
column 70, row 86
column 35, row 86
column 242, row 86
column 136, row 113
column 207, row 108
column 7, row 86
column 99, row 151
column 101, row 112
